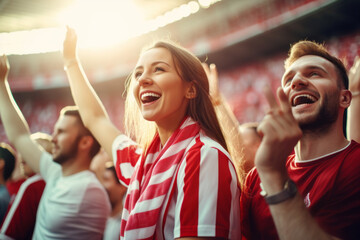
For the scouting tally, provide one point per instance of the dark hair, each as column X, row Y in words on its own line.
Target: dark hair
column 303, row 48
column 110, row 166
column 74, row 111
column 7, row 153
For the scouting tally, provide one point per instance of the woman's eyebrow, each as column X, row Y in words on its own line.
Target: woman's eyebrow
column 152, row 64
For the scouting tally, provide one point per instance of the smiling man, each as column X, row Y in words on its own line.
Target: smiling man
column 74, row 205
column 306, row 184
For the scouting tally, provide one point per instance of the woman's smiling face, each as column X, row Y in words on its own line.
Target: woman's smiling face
column 159, row 90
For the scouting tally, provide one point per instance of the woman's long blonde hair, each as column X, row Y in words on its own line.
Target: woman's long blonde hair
column 200, row 108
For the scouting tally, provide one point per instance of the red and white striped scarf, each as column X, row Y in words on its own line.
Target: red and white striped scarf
column 151, row 182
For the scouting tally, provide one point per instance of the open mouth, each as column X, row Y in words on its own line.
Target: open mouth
column 303, row 99
column 149, row 97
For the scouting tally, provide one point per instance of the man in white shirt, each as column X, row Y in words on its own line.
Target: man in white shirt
column 74, row 204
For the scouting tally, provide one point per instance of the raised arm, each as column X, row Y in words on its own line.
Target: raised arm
column 91, row 109
column 16, row 127
column 353, row 126
column 280, row 134
column 227, row 119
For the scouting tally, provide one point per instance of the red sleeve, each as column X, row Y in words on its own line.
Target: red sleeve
column 126, row 154
column 245, row 206
column 20, row 220
column 256, row 219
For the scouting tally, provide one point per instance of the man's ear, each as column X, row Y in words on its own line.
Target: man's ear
column 191, row 91
column 345, row 98
column 86, row 142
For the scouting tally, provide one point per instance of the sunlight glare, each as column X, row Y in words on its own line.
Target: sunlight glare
column 33, row 41
column 98, row 23
column 207, row 3
column 103, row 22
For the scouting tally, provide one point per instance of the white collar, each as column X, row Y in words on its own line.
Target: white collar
column 323, row 156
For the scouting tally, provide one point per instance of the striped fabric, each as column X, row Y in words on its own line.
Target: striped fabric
column 188, row 188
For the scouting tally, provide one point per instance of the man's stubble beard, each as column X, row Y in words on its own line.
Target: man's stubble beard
column 64, row 157
column 327, row 115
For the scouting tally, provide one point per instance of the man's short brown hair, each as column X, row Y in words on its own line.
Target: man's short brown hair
column 303, row 48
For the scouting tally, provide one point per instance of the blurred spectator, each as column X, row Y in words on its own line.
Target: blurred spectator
column 20, row 220
column 251, row 142
column 74, row 204
column 117, row 194
column 104, row 169
column 353, row 124
column 17, row 178
column 7, row 164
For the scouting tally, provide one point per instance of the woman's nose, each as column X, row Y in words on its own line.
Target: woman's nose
column 144, row 79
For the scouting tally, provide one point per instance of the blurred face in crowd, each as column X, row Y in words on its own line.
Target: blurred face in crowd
column 107, row 177
column 311, row 84
column 251, row 142
column 65, row 138
column 159, row 90
column 25, row 169
column 98, row 163
column 112, row 186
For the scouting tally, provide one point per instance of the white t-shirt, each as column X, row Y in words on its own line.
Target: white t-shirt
column 72, row 207
column 112, row 231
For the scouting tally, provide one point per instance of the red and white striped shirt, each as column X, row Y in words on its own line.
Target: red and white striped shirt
column 187, row 189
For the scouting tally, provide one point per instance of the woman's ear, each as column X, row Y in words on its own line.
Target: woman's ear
column 345, row 98
column 191, row 91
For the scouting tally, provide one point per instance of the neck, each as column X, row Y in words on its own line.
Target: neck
column 314, row 144
column 75, row 166
column 117, row 208
column 167, row 128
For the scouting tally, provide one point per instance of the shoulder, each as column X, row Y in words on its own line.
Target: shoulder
column 252, row 180
column 46, row 158
column 209, row 158
column 350, row 167
column 79, row 183
column 354, row 148
column 208, row 147
column 122, row 142
column 125, row 150
column 205, row 152
column 32, row 184
column 33, row 180
column 94, row 186
column 48, row 168
column 86, row 179
column 86, row 184
column 350, row 158
column 96, row 198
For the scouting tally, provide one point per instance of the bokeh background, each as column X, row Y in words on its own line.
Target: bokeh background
column 248, row 40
